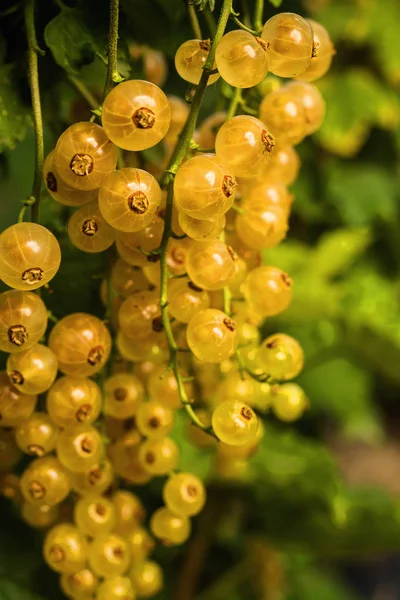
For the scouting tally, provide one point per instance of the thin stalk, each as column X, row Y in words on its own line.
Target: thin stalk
column 234, row 103
column 209, row 17
column 33, row 71
column 258, row 15
column 194, row 21
column 183, row 146
column 243, row 26
column 83, row 90
column 113, row 75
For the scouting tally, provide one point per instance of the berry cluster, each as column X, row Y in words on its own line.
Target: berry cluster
column 184, row 299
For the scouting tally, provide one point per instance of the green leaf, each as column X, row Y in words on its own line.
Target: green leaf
column 193, row 459
column 10, row 590
column 14, row 115
column 202, row 4
column 70, row 41
column 336, row 251
column 361, row 195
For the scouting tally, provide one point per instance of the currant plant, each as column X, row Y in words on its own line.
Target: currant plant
column 184, row 289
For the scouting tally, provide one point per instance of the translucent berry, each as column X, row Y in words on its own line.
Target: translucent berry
column 94, row 515
column 211, row 335
column 29, row 256
column 80, row 585
column 84, row 156
column 322, row 53
column 312, row 101
column 34, row 370
column 163, row 388
column 37, row 435
column 206, row 133
column 179, row 113
column 268, row 290
column 45, row 482
column 95, row 480
column 242, row 59
column 10, row 454
column 169, row 527
column 234, row 423
column 185, row 299
column 284, row 115
column 116, row 588
column 39, row 517
column 147, row 578
column 136, row 115
column 60, row 191
column 204, row 229
column 82, row 344
column 261, row 225
column 129, row 511
column 190, row 59
column 140, row 543
column 23, row 320
column 88, row 230
column 79, row 448
column 289, row 402
column 159, row 456
column 154, row 419
column 72, row 401
column 289, row 40
column 15, row 406
column 184, row 494
column 281, row 356
column 65, row 549
column 109, row 555
column 245, row 144
column 283, row 167
column 147, row 239
column 140, row 314
column 154, row 63
column 211, row 264
column 204, row 187
column 123, row 394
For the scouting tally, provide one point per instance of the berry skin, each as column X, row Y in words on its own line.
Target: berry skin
column 206, row 133
column 152, row 347
column 211, row 336
column 234, row 423
column 136, row 115
column 196, row 229
column 84, row 156
column 184, row 494
column 39, row 517
column 139, row 314
column 72, row 401
column 147, row 578
column 23, row 320
column 190, row 59
column 129, row 199
column 148, row 239
column 269, row 193
column 159, row 456
column 268, row 290
column 204, row 187
column 125, row 280
column 172, row 529
column 88, row 230
column 261, row 225
column 323, row 52
column 281, row 357
column 10, row 454
column 245, row 144
column 95, row 480
column 154, row 63
column 33, row 371
column 60, row 191
column 283, row 167
column 211, row 264
column 290, row 44
column 123, row 394
column 80, row 585
column 79, row 448
column 185, row 299
column 242, row 59
column 109, row 555
column 129, row 512
column 179, row 113
column 284, row 115
column 82, row 344
column 37, row 435
column 94, row 515
column 30, row 256
column 65, row 549
column 45, row 482
column 140, row 543
column 289, row 402
column 124, row 456
column 117, row 588
column 15, row 406
column 312, row 102
column 154, row 420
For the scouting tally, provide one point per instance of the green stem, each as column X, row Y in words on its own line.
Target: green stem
column 33, row 71
column 112, row 65
column 243, row 26
column 258, row 15
column 84, row 91
column 234, row 103
column 194, row 21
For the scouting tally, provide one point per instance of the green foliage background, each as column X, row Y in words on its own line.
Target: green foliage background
column 343, row 252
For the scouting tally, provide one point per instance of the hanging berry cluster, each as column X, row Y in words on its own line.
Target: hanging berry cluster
column 185, row 297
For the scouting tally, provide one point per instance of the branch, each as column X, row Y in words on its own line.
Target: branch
column 258, row 15
column 113, row 75
column 33, row 50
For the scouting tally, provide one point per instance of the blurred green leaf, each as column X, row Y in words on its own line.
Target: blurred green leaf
column 336, row 251
column 14, row 115
column 192, row 459
column 69, row 40
column 9, row 590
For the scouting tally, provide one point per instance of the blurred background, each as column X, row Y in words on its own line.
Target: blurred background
column 317, row 514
